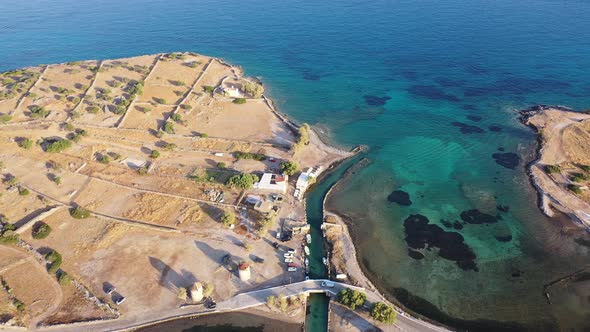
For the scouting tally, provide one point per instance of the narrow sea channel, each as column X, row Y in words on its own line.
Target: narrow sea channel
column 316, row 319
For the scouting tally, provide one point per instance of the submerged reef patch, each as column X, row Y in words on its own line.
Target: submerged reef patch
column 509, row 160
column 431, row 92
column 420, row 234
column 400, row 197
column 376, row 100
column 477, row 217
column 468, row 129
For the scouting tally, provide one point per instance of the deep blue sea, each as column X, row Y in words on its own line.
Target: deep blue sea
column 407, row 78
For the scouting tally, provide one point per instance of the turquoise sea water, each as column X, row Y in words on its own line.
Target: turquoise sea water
column 333, row 63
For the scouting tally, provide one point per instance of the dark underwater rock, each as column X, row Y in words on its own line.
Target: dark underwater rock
column 469, row 107
column 420, row 234
column 509, row 160
column 468, row 129
column 400, row 197
column 474, row 118
column 477, row 217
column 431, row 92
column 502, row 208
column 376, row 100
column 503, row 238
column 415, row 254
column 495, row 128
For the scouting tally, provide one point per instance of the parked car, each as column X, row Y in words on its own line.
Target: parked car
column 120, row 299
column 287, row 255
column 110, row 290
column 327, row 284
column 288, row 260
column 276, row 245
column 292, row 269
column 292, row 251
column 292, row 265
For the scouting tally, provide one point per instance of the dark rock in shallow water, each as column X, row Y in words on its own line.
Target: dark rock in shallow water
column 447, row 82
column 469, row 107
column 415, row 254
column 474, row 118
column 457, row 225
column 310, row 75
column 503, row 238
column 509, row 160
column 447, row 224
column 501, row 149
column 376, row 100
column 468, row 129
column 477, row 217
column 400, row 197
column 431, row 92
column 502, row 208
column 495, row 128
column 420, row 234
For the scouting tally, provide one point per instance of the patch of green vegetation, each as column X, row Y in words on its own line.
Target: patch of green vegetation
column 169, row 146
column 552, row 169
column 54, row 258
column 208, row 88
column 351, row 298
column 585, row 168
column 7, row 235
column 228, row 219
column 40, row 230
column 5, row 118
column 579, row 177
column 186, row 106
column 26, row 143
column 168, row 127
column 57, row 180
column 575, row 189
column 383, row 313
column 289, row 167
column 92, row 109
column 10, row 180
column 221, row 165
column 103, row 159
column 142, row 170
column 242, row 181
column 63, row 278
column 79, row 213
column 160, row 100
column 154, row 154
column 38, row 112
column 254, row 89
column 23, row 191
column 239, row 101
column 248, row 155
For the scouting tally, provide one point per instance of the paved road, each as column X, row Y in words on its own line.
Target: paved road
column 238, row 302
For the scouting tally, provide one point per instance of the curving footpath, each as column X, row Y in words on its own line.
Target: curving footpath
column 238, row 302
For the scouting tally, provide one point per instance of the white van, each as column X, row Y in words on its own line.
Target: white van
column 292, row 269
column 328, row 284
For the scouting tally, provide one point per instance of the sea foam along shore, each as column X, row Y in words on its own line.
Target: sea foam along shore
column 550, row 124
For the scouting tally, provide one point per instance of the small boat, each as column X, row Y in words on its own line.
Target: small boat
column 306, row 262
column 306, row 249
column 325, row 261
column 308, row 238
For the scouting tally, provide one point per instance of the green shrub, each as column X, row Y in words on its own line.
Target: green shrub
column 551, row 169
column 55, row 261
column 57, row 180
column 169, row 127
column 351, row 298
column 18, row 304
column 41, row 230
column 575, row 189
column 79, row 213
column 119, row 109
column 185, row 106
column 10, row 180
column 239, row 101
column 169, row 146
column 154, row 154
column 103, row 159
column 9, row 238
column 221, row 165
column 208, row 88
column 254, row 89
column 23, row 191
column 38, row 112
column 242, row 181
column 579, row 177
column 228, row 219
column 289, row 167
column 585, row 168
column 142, row 170
column 248, row 155
column 92, row 109
column 64, row 279
column 204, row 135
column 383, row 313
column 4, row 118
column 160, row 101
column 25, row 143
column 58, row 146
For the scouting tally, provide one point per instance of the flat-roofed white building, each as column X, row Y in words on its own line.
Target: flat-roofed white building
column 273, row 182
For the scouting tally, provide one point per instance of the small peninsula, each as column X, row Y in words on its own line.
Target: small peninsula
column 142, row 190
column 561, row 172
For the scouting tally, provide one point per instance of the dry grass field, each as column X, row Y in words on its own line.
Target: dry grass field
column 115, row 173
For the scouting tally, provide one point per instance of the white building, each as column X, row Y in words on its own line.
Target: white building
column 197, row 292
column 273, row 182
column 244, row 271
column 305, row 179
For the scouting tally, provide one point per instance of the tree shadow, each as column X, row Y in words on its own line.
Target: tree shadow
column 170, row 278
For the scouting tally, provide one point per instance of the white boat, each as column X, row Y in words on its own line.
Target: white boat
column 306, row 249
column 288, row 260
column 325, row 261
column 308, row 238
column 306, row 262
